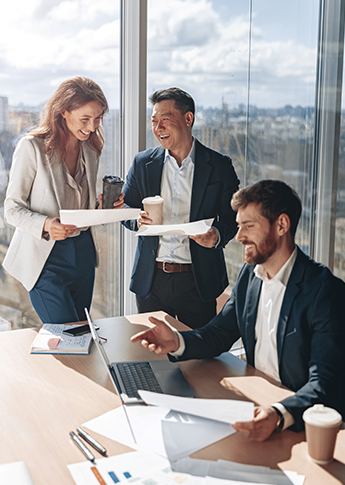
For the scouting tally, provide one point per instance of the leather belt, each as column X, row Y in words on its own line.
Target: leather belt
column 169, row 267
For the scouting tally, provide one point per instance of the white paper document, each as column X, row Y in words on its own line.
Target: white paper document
column 223, row 471
column 224, row 410
column 16, row 473
column 187, row 229
column 93, row 217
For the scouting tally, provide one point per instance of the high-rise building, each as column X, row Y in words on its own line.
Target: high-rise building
column 3, row 113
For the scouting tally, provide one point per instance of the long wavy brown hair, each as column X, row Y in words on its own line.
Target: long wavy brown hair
column 71, row 94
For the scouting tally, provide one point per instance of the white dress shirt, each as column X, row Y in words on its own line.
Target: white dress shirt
column 176, row 190
column 271, row 299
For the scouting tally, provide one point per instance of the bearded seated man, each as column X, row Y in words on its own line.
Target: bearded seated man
column 287, row 308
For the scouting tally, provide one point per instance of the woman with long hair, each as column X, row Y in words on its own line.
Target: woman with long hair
column 55, row 167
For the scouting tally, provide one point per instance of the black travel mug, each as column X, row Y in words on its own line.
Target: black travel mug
column 112, row 188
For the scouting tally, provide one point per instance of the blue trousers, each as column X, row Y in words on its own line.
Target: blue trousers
column 65, row 286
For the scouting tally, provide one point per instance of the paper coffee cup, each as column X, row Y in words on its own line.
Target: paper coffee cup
column 112, row 188
column 321, row 428
column 154, row 207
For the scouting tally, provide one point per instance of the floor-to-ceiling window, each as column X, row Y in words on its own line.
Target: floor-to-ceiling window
column 251, row 68
column 43, row 43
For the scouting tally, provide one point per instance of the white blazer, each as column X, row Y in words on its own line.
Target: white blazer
column 35, row 192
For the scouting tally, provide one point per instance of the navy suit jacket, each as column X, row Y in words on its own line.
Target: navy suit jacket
column 214, row 183
column 310, row 334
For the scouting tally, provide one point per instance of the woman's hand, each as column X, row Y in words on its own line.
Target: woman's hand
column 56, row 230
column 119, row 204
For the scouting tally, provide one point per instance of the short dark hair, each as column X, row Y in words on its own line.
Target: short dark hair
column 275, row 198
column 183, row 101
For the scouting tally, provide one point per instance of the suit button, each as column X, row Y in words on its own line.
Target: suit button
column 153, row 252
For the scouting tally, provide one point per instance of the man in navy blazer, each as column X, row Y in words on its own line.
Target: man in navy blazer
column 180, row 275
column 287, row 308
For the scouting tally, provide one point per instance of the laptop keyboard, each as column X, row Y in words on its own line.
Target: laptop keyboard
column 138, row 375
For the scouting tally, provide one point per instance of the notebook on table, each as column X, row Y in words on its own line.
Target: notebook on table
column 129, row 377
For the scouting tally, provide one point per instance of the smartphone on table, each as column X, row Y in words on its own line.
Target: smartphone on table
column 78, row 331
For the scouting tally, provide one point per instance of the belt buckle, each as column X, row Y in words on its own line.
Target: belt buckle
column 164, row 264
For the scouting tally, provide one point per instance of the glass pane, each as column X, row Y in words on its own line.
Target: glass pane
column 203, row 47
column 43, row 44
column 339, row 247
column 282, row 97
column 206, row 55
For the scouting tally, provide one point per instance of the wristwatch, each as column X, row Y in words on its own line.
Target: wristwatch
column 280, row 423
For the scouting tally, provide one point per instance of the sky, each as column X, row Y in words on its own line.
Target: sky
column 198, row 45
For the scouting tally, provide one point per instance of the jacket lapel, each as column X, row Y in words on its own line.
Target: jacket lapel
column 154, row 168
column 58, row 179
column 254, row 290
column 202, row 172
column 292, row 289
column 91, row 167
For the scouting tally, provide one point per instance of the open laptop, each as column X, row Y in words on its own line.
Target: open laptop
column 154, row 375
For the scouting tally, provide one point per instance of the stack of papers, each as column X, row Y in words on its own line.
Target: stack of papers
column 165, row 432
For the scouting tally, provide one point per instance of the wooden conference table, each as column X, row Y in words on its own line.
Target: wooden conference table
column 44, row 397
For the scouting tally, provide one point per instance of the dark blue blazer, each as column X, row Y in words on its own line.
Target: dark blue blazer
column 214, row 183
column 310, row 335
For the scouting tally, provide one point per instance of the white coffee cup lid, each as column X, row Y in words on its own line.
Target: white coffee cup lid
column 157, row 199
column 320, row 415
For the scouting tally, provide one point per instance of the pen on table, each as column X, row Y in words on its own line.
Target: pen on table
column 82, row 447
column 97, row 446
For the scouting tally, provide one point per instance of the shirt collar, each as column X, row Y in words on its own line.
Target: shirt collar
column 283, row 274
column 191, row 154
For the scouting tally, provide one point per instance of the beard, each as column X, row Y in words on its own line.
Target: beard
column 260, row 255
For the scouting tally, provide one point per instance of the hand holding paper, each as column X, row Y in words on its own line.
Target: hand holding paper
column 261, row 427
column 207, row 240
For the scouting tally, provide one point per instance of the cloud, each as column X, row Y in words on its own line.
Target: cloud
column 198, row 48
column 190, row 44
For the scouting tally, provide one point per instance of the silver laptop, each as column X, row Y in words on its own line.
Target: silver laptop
column 129, row 377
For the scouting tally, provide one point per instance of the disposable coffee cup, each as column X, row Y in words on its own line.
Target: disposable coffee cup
column 154, row 207
column 112, row 188
column 321, row 428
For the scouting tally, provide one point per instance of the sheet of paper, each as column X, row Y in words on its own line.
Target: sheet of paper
column 113, row 425
column 238, row 472
column 248, row 473
column 224, row 410
column 220, row 481
column 16, row 473
column 187, row 229
column 90, row 217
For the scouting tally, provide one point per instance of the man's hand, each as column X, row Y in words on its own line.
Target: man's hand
column 56, row 230
column 261, row 427
column 143, row 218
column 160, row 339
column 119, row 204
column 208, row 240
